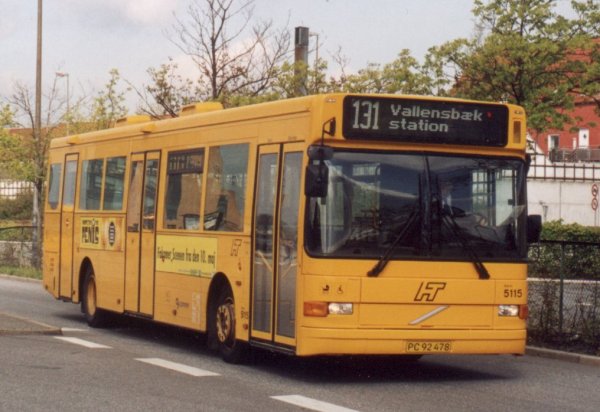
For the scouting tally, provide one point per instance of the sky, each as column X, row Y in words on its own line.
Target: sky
column 88, row 38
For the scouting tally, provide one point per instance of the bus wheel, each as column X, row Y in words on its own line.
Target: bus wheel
column 231, row 349
column 94, row 316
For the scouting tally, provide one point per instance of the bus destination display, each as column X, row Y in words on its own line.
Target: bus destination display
column 425, row 121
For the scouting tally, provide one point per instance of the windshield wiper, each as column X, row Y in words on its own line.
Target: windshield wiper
column 479, row 266
column 385, row 258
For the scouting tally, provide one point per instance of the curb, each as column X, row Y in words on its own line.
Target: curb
column 563, row 356
column 20, row 279
column 11, row 325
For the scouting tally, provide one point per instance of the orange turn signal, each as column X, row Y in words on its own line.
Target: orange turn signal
column 316, row 309
column 523, row 312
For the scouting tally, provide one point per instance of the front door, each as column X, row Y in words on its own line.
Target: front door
column 275, row 238
column 141, row 226
column 67, row 223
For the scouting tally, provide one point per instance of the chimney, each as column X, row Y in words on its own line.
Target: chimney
column 301, row 59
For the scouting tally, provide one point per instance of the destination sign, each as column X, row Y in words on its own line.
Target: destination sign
column 186, row 162
column 425, row 121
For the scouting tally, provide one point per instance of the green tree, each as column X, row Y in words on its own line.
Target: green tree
column 109, row 104
column 403, row 75
column 11, row 149
column 523, row 54
column 29, row 150
column 6, row 116
column 292, row 77
column 167, row 91
column 588, row 22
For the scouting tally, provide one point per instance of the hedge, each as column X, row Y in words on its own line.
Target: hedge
column 573, row 261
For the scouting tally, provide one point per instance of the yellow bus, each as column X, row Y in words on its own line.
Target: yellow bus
column 322, row 225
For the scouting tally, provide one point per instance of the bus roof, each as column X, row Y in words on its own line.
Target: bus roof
column 139, row 125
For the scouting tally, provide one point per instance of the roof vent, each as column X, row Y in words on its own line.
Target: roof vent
column 135, row 119
column 196, row 108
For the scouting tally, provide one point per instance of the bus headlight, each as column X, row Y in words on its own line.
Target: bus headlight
column 508, row 310
column 340, row 308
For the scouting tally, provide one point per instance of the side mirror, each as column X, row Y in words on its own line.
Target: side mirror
column 317, row 175
column 534, row 228
column 320, row 152
column 316, row 180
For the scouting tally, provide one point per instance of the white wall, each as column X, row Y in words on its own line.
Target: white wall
column 569, row 201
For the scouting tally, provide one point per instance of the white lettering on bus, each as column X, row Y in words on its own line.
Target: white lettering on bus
column 452, row 114
column 421, row 125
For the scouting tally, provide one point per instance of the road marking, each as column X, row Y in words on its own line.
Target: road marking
column 81, row 342
column 178, row 367
column 73, row 330
column 312, row 404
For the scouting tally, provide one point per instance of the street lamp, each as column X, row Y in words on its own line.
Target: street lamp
column 68, row 116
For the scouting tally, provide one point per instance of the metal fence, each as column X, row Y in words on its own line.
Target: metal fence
column 12, row 189
column 543, row 168
column 15, row 246
column 564, row 295
column 575, row 155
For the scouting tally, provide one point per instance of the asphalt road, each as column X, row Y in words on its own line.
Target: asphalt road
column 141, row 366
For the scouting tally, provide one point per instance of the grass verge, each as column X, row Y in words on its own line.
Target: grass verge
column 23, row 272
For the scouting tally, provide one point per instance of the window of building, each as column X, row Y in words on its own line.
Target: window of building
column 584, row 138
column 553, row 142
column 183, row 190
column 226, row 188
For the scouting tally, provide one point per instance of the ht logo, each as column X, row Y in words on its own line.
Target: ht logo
column 429, row 290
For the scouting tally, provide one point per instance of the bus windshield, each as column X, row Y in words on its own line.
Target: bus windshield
column 418, row 205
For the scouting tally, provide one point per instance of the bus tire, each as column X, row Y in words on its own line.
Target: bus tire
column 231, row 349
column 94, row 316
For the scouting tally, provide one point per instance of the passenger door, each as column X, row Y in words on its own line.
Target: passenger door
column 275, row 241
column 67, row 223
column 141, row 228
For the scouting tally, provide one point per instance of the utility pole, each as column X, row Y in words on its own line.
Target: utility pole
column 36, row 252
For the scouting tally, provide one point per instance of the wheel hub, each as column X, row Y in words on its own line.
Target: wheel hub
column 225, row 322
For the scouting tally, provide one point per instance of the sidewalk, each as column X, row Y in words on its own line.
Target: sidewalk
column 563, row 356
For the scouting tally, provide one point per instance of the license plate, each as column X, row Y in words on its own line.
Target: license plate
column 428, row 347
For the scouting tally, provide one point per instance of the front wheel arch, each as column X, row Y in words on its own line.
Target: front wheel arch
column 94, row 316
column 83, row 268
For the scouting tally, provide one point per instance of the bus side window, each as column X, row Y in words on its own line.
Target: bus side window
column 183, row 189
column 54, row 185
column 114, row 183
column 91, row 184
column 226, row 188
